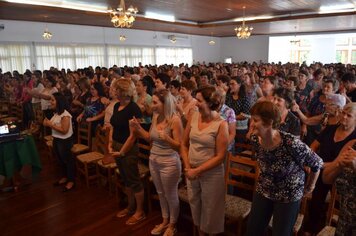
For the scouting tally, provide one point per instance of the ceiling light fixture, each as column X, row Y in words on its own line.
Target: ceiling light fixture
column 211, row 42
column 243, row 31
column 47, row 35
column 172, row 38
column 122, row 38
column 122, row 17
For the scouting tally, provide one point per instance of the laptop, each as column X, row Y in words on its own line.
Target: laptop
column 9, row 132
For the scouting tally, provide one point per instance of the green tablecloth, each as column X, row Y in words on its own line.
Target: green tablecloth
column 14, row 155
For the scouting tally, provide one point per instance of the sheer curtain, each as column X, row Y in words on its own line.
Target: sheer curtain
column 45, row 57
column 130, row 56
column 15, row 57
column 174, row 56
column 89, row 56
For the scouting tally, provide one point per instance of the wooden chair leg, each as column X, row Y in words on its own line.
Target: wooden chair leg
column 86, row 174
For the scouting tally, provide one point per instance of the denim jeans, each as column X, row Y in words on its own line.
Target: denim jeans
column 284, row 216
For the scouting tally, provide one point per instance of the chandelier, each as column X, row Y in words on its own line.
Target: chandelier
column 122, row 17
column 243, row 31
column 46, row 34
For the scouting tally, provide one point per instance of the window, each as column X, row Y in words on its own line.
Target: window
column 15, row 57
column 342, row 41
column 173, row 56
column 353, row 57
column 341, row 56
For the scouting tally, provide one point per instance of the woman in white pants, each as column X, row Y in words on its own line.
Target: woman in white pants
column 165, row 165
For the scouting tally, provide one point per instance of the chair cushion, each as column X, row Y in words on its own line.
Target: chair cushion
column 109, row 166
column 183, row 194
column 90, row 157
column 297, row 226
column 327, row 231
column 78, row 148
column 236, row 207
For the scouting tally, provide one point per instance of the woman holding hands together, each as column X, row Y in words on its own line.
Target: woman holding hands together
column 203, row 151
column 165, row 166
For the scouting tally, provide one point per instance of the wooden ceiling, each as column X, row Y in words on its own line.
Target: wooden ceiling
column 201, row 17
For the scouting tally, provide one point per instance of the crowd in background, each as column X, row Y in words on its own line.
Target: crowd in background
column 294, row 115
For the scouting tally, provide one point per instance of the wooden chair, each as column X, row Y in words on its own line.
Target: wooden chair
column 244, row 148
column 105, row 171
column 84, row 142
column 86, row 163
column 4, row 109
column 241, row 173
column 332, row 215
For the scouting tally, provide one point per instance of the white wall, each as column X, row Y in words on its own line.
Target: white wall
column 24, row 31
column 253, row 49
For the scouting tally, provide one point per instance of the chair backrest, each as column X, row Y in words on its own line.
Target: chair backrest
column 334, row 206
column 4, row 108
column 101, row 140
column 243, row 147
column 144, row 150
column 84, row 133
column 241, row 173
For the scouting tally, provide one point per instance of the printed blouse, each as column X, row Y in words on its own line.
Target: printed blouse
column 282, row 175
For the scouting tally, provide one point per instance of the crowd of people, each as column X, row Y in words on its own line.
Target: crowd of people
column 300, row 121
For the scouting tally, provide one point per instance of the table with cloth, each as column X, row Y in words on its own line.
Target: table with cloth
column 19, row 156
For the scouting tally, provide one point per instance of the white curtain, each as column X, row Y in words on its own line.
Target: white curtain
column 15, row 57
column 89, row 56
column 174, row 56
column 46, row 57
column 130, row 56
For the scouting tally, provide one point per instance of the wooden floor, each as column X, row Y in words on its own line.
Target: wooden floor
column 41, row 209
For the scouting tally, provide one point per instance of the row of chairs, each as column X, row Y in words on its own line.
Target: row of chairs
column 11, row 112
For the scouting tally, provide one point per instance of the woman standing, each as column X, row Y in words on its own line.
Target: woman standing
column 203, row 151
column 124, row 150
column 165, row 165
column 329, row 144
column 240, row 103
column 45, row 95
column 186, row 105
column 62, row 131
column 94, row 110
column 280, row 186
column 284, row 98
column 342, row 171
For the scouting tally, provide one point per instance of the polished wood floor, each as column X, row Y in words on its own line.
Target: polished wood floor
column 41, row 209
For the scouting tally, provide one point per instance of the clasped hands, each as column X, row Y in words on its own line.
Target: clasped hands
column 191, row 173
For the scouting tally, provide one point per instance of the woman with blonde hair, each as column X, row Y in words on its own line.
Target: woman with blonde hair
column 165, row 166
column 123, row 148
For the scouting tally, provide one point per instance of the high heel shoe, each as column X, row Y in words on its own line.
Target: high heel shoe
column 66, row 189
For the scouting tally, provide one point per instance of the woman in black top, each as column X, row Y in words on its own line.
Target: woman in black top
column 123, row 149
column 329, row 144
